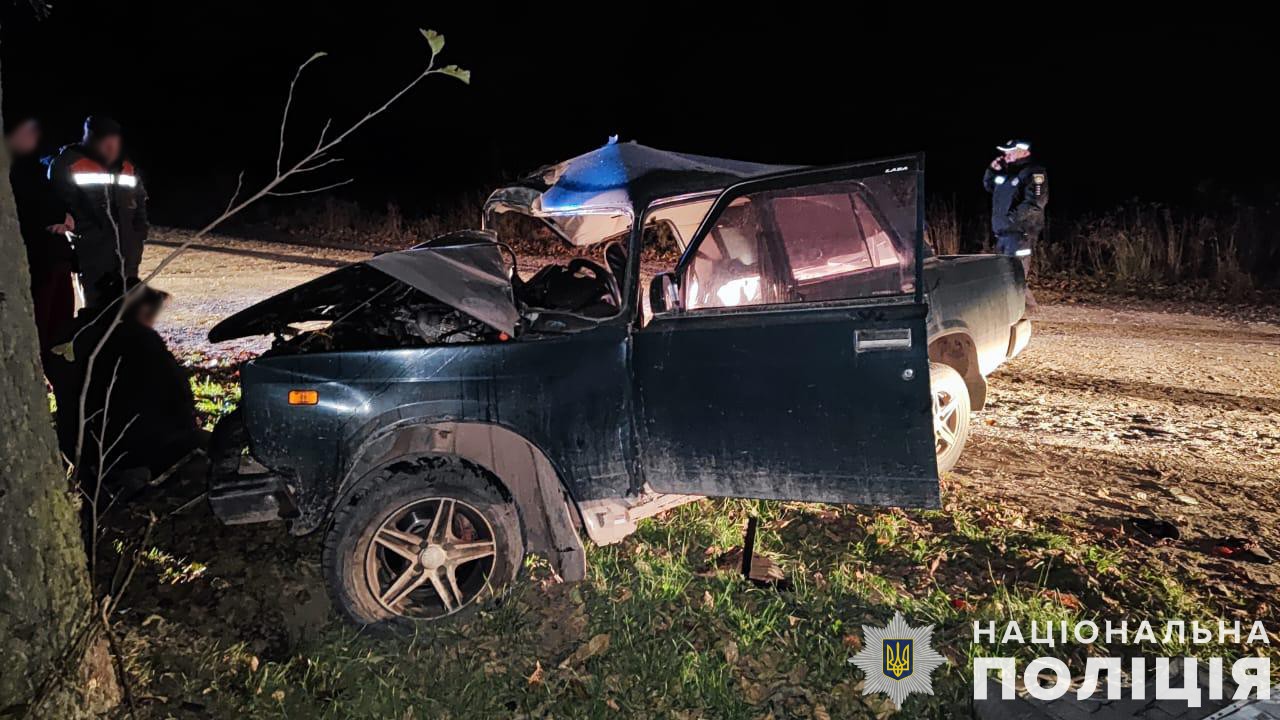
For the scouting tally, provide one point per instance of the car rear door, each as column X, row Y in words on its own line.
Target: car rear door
column 753, row 388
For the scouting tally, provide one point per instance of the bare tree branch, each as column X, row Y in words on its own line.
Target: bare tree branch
column 236, row 194
column 102, row 342
column 319, row 165
column 311, row 191
column 101, row 471
column 322, row 147
column 307, row 163
column 323, row 131
column 284, row 117
column 163, row 477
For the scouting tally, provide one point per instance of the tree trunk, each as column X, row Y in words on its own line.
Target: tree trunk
column 44, row 582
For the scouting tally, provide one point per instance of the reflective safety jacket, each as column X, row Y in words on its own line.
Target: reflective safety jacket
column 1019, row 194
column 103, row 200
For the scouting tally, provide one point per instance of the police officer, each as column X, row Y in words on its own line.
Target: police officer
column 104, row 194
column 1019, row 191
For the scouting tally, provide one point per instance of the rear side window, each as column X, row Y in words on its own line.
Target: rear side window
column 804, row 244
column 821, row 236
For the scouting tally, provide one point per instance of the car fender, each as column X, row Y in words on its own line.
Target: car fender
column 955, row 347
column 522, row 469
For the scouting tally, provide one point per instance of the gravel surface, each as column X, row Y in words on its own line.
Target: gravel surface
column 1117, row 410
column 219, row 276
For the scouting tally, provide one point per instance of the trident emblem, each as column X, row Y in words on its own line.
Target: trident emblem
column 897, row 658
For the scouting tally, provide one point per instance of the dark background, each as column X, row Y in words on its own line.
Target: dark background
column 1155, row 112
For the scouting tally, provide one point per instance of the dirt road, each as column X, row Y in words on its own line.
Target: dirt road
column 1117, row 409
column 219, row 276
column 1119, row 412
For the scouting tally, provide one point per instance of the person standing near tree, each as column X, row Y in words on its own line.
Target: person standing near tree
column 44, row 224
column 1019, row 191
column 105, row 195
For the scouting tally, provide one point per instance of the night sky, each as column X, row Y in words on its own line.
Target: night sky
column 1152, row 112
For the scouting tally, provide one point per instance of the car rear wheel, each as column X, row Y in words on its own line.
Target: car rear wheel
column 425, row 544
column 950, row 414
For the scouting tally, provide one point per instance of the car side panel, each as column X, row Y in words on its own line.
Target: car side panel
column 980, row 295
column 568, row 396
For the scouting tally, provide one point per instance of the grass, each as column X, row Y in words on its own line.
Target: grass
column 213, row 399
column 687, row 638
column 215, row 386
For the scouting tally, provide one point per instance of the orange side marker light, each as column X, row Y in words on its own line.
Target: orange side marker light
column 304, row 397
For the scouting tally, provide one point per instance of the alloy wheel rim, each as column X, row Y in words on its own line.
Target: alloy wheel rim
column 946, row 421
column 430, row 558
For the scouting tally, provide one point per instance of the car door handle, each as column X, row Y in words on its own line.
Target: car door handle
column 888, row 339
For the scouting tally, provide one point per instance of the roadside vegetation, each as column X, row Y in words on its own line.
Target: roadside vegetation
column 1221, row 251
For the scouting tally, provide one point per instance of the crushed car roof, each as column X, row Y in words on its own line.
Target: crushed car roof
column 599, row 192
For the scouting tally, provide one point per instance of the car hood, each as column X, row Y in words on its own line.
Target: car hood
column 466, row 271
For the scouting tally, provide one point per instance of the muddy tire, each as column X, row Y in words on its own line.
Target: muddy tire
column 424, row 541
column 951, row 408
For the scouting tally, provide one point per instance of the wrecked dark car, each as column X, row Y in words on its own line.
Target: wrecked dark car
column 440, row 414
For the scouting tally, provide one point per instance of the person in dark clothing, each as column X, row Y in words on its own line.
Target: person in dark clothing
column 1019, row 191
column 44, row 224
column 105, row 195
column 139, row 402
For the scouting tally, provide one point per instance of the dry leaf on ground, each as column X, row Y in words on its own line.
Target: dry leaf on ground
column 595, row 646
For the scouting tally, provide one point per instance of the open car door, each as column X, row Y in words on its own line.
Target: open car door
column 794, row 363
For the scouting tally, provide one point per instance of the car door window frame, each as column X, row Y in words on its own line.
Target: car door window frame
column 777, row 261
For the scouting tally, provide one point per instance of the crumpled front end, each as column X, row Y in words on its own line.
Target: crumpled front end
column 456, row 288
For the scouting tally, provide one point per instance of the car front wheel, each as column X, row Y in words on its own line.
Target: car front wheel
column 423, row 544
column 950, row 414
